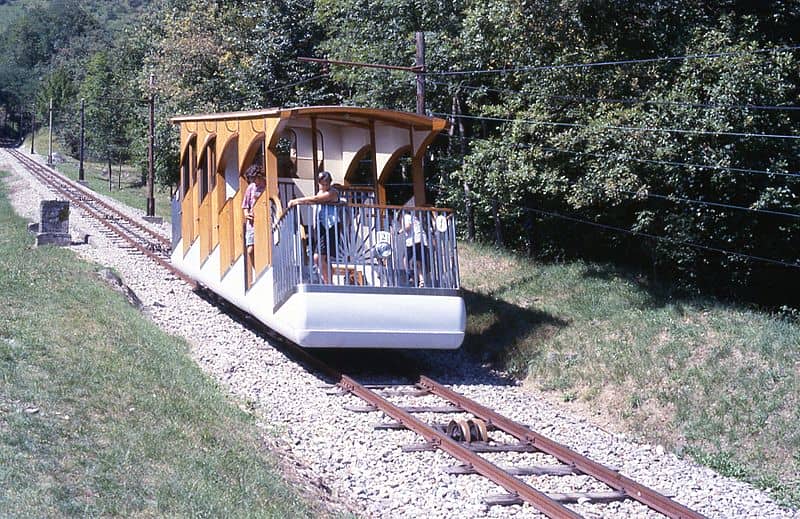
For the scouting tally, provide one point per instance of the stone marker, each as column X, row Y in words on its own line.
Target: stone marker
column 54, row 226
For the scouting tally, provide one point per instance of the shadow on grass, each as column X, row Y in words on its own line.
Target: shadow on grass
column 502, row 334
column 658, row 294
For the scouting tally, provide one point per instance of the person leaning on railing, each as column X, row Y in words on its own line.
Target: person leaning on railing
column 326, row 219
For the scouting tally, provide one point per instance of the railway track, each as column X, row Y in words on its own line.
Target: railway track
column 125, row 231
column 465, row 439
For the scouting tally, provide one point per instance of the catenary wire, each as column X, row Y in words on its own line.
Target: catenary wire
column 654, row 236
column 243, row 99
column 693, row 201
column 621, row 128
column 536, row 68
column 658, row 162
column 711, row 204
column 673, row 163
column 663, row 238
column 626, row 100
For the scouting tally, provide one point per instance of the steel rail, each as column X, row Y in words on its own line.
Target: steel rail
column 38, row 170
column 525, row 492
column 539, row 500
column 30, row 163
column 612, row 478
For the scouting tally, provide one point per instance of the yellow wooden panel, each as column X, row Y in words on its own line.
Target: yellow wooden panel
column 224, row 134
column 225, row 237
column 261, row 225
column 249, row 133
column 217, row 201
column 238, row 223
column 205, row 221
column 272, row 192
column 187, row 221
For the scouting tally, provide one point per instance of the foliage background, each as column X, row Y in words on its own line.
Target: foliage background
column 552, row 146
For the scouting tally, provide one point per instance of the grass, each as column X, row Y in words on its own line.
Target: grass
column 709, row 380
column 127, row 185
column 103, row 414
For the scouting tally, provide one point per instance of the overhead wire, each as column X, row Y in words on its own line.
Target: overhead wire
column 673, row 163
column 300, row 82
column 622, row 128
column 663, row 238
column 626, row 100
column 536, row 68
column 650, row 129
column 710, row 204
column 688, row 200
column 249, row 99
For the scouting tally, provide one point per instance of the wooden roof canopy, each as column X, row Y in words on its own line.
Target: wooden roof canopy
column 341, row 114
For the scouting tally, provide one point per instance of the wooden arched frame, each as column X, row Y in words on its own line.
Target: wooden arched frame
column 188, row 164
column 357, row 158
column 207, row 166
column 207, row 218
column 229, row 234
column 292, row 138
column 392, row 162
column 222, row 158
column 189, row 226
column 416, row 176
column 261, row 218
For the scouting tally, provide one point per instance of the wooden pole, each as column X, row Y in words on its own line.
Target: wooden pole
column 418, row 164
column 81, row 173
column 33, row 126
column 420, row 67
column 50, row 137
column 151, row 202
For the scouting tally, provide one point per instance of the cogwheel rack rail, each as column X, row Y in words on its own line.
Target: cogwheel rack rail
column 156, row 247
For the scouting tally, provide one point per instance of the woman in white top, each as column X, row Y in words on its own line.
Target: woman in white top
column 416, row 246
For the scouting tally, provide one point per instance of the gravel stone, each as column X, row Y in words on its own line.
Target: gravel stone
column 336, row 456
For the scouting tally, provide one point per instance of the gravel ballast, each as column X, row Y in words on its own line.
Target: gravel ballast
column 339, row 457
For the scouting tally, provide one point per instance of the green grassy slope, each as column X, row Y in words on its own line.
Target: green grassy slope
column 102, row 414
column 708, row 379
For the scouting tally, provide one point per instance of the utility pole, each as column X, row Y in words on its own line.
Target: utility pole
column 419, row 69
column 418, row 165
column 33, row 125
column 420, row 66
column 50, row 137
column 151, row 206
column 151, row 201
column 81, row 175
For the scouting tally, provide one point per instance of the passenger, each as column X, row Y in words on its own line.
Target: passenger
column 326, row 219
column 257, row 184
column 416, row 247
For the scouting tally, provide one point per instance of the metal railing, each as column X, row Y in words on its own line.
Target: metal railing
column 357, row 195
column 374, row 248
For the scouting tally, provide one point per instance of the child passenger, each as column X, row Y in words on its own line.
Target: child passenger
column 257, row 184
